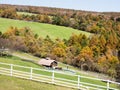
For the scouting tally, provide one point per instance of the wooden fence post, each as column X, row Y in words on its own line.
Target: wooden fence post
column 11, row 69
column 31, row 71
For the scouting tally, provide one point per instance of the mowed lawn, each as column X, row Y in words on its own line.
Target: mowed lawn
column 41, row 29
column 12, row 83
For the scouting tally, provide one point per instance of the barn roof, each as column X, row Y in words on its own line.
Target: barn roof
column 46, row 62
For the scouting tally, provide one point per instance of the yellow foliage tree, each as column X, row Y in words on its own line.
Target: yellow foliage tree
column 60, row 52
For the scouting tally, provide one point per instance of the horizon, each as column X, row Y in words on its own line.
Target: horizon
column 65, row 8
column 99, row 6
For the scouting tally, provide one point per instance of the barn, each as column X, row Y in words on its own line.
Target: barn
column 48, row 63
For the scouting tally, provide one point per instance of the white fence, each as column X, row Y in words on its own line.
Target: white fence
column 58, row 78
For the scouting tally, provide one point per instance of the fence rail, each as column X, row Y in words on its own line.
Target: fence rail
column 58, row 78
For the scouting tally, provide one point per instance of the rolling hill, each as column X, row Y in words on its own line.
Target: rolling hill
column 40, row 28
column 87, row 52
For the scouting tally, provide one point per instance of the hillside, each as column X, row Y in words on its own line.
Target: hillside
column 28, row 29
column 41, row 29
column 93, row 22
column 43, row 10
column 78, row 50
column 53, row 11
column 19, row 60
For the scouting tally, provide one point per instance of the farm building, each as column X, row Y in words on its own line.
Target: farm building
column 48, row 63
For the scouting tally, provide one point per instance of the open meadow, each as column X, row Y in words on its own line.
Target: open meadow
column 40, row 28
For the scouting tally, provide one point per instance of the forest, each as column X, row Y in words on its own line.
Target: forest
column 99, row 52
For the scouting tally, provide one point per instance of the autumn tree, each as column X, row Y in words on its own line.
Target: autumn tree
column 59, row 49
column 57, row 20
column 85, row 58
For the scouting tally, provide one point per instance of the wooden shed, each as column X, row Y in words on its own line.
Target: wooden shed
column 48, row 63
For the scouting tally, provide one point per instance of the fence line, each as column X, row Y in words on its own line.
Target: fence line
column 54, row 77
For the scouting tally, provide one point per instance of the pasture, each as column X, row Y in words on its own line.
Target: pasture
column 41, row 29
column 18, row 61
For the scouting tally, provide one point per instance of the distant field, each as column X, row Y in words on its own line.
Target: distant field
column 12, row 83
column 40, row 28
column 25, row 13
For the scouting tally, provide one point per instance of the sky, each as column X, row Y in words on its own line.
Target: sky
column 88, row 5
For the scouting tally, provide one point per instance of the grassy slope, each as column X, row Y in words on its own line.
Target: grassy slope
column 12, row 83
column 28, row 56
column 25, row 56
column 40, row 28
column 43, row 30
column 18, row 61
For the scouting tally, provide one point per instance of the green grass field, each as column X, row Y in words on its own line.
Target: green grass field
column 27, row 56
column 40, row 28
column 12, row 83
column 18, row 61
